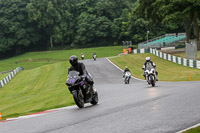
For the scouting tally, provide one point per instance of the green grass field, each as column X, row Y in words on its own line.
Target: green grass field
column 182, row 54
column 36, row 90
column 167, row 71
column 3, row 75
column 32, row 60
column 41, row 86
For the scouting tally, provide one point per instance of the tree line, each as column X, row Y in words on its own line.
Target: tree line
column 32, row 25
column 173, row 11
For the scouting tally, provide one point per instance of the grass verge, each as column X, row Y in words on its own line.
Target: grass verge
column 167, row 71
column 193, row 130
column 36, row 90
column 2, row 76
column 32, row 60
column 41, row 86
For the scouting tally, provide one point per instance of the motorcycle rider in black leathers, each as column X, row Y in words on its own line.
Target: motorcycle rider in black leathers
column 80, row 67
column 146, row 64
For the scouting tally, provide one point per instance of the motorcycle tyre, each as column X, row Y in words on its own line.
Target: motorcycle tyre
column 76, row 96
column 153, row 84
column 95, row 99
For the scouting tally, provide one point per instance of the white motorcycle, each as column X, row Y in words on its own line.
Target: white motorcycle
column 94, row 57
column 127, row 77
column 150, row 73
column 82, row 56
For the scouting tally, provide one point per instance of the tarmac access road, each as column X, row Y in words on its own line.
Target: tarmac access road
column 123, row 108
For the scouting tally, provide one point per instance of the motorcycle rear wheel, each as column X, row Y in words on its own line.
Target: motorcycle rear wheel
column 95, row 99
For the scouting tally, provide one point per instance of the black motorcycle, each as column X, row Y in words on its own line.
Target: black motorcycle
column 82, row 92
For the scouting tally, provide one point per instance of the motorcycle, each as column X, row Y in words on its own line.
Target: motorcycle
column 82, row 57
column 150, row 75
column 127, row 77
column 82, row 92
column 94, row 57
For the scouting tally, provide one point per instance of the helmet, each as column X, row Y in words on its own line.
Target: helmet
column 148, row 58
column 73, row 60
column 126, row 67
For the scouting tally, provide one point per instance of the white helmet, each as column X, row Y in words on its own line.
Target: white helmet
column 148, row 58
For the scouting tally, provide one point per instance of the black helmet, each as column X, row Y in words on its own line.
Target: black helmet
column 73, row 60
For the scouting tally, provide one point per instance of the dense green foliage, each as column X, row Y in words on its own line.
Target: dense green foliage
column 173, row 12
column 34, row 25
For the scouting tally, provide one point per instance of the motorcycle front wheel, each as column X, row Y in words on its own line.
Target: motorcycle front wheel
column 79, row 98
column 152, row 83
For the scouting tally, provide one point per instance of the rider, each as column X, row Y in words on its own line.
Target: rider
column 80, row 67
column 126, row 70
column 82, row 56
column 147, row 63
column 94, row 53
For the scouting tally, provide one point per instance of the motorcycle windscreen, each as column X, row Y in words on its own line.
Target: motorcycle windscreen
column 149, row 68
column 127, row 74
column 72, row 77
column 149, row 65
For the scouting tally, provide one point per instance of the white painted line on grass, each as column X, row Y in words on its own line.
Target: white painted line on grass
column 123, row 71
column 188, row 128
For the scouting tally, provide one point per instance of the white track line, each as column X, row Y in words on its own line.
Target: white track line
column 188, row 128
column 123, row 71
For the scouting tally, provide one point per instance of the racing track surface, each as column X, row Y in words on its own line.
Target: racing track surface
column 133, row 108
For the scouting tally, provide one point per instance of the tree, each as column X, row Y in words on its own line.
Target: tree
column 15, row 31
column 172, row 11
column 48, row 15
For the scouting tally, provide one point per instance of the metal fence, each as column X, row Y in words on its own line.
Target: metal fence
column 166, row 40
column 7, row 79
column 169, row 57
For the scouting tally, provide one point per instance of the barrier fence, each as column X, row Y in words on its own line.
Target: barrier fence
column 169, row 57
column 7, row 79
column 163, row 41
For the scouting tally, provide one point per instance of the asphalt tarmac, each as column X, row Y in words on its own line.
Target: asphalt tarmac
column 123, row 108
